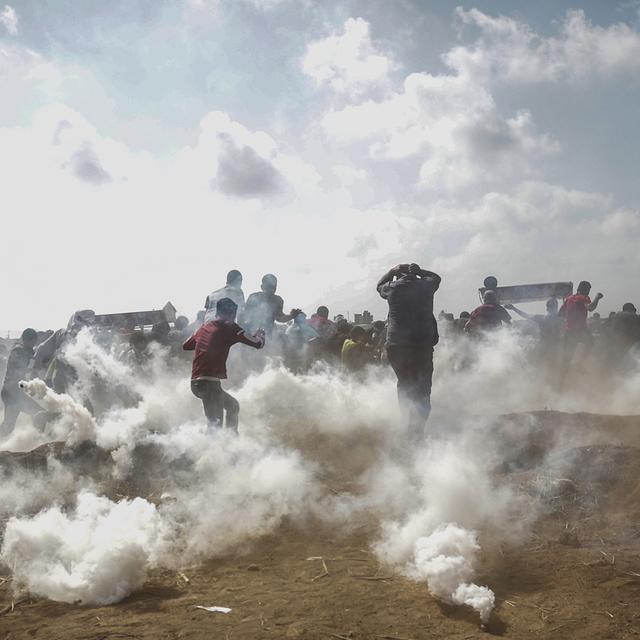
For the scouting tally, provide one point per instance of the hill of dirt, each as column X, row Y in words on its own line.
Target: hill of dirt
column 577, row 575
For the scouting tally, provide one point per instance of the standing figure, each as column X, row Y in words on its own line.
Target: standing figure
column 231, row 290
column 264, row 307
column 412, row 333
column 15, row 399
column 574, row 311
column 211, row 343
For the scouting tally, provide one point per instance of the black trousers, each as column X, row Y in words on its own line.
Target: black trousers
column 216, row 401
column 16, row 401
column 413, row 366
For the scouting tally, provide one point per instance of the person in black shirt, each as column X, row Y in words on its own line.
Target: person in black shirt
column 15, row 399
column 412, row 333
column 264, row 308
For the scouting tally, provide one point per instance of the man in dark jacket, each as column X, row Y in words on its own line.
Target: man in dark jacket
column 412, row 333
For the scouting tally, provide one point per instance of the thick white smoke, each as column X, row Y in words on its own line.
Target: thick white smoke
column 298, row 435
column 72, row 422
column 446, row 559
column 96, row 554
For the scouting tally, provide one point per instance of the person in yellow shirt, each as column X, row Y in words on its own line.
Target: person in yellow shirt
column 355, row 351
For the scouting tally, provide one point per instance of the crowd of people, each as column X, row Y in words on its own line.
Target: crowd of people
column 405, row 341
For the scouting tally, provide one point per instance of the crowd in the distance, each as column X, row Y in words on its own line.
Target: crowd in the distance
column 405, row 340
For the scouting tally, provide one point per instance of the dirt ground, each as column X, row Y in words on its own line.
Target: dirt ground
column 577, row 575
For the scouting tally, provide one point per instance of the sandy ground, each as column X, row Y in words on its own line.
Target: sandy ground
column 577, row 574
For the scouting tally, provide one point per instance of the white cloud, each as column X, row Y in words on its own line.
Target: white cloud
column 511, row 50
column 9, row 19
column 242, row 198
column 266, row 5
column 349, row 175
column 243, row 163
column 536, row 232
column 450, row 125
column 348, row 62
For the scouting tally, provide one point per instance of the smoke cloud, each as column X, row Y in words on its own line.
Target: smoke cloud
column 193, row 493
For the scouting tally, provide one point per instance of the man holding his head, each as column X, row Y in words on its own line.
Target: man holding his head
column 412, row 333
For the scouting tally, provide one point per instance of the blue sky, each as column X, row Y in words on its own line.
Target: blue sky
column 500, row 136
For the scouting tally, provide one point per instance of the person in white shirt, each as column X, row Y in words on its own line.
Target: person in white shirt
column 232, row 290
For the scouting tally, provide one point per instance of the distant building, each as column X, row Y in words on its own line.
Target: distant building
column 363, row 318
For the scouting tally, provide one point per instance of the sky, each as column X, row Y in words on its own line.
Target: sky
column 149, row 146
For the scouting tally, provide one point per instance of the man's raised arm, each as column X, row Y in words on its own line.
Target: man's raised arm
column 593, row 306
column 424, row 273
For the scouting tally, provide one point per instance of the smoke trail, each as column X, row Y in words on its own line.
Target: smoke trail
column 446, row 560
column 72, row 422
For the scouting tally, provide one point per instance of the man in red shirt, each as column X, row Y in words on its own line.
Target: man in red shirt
column 212, row 342
column 574, row 310
column 489, row 315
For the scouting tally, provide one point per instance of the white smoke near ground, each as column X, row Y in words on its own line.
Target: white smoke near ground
column 72, row 422
column 27, row 491
column 315, row 447
column 446, row 559
column 96, row 554
column 237, row 490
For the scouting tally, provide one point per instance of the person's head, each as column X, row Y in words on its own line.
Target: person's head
column 465, row 314
column 29, row 338
column 358, row 334
column 323, row 312
column 181, row 322
column 490, row 282
column 234, row 278
column 490, row 297
column 378, row 325
column 596, row 316
column 200, row 315
column 269, row 283
column 629, row 307
column 584, row 288
column 552, row 305
column 342, row 326
column 226, row 309
column 449, row 317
